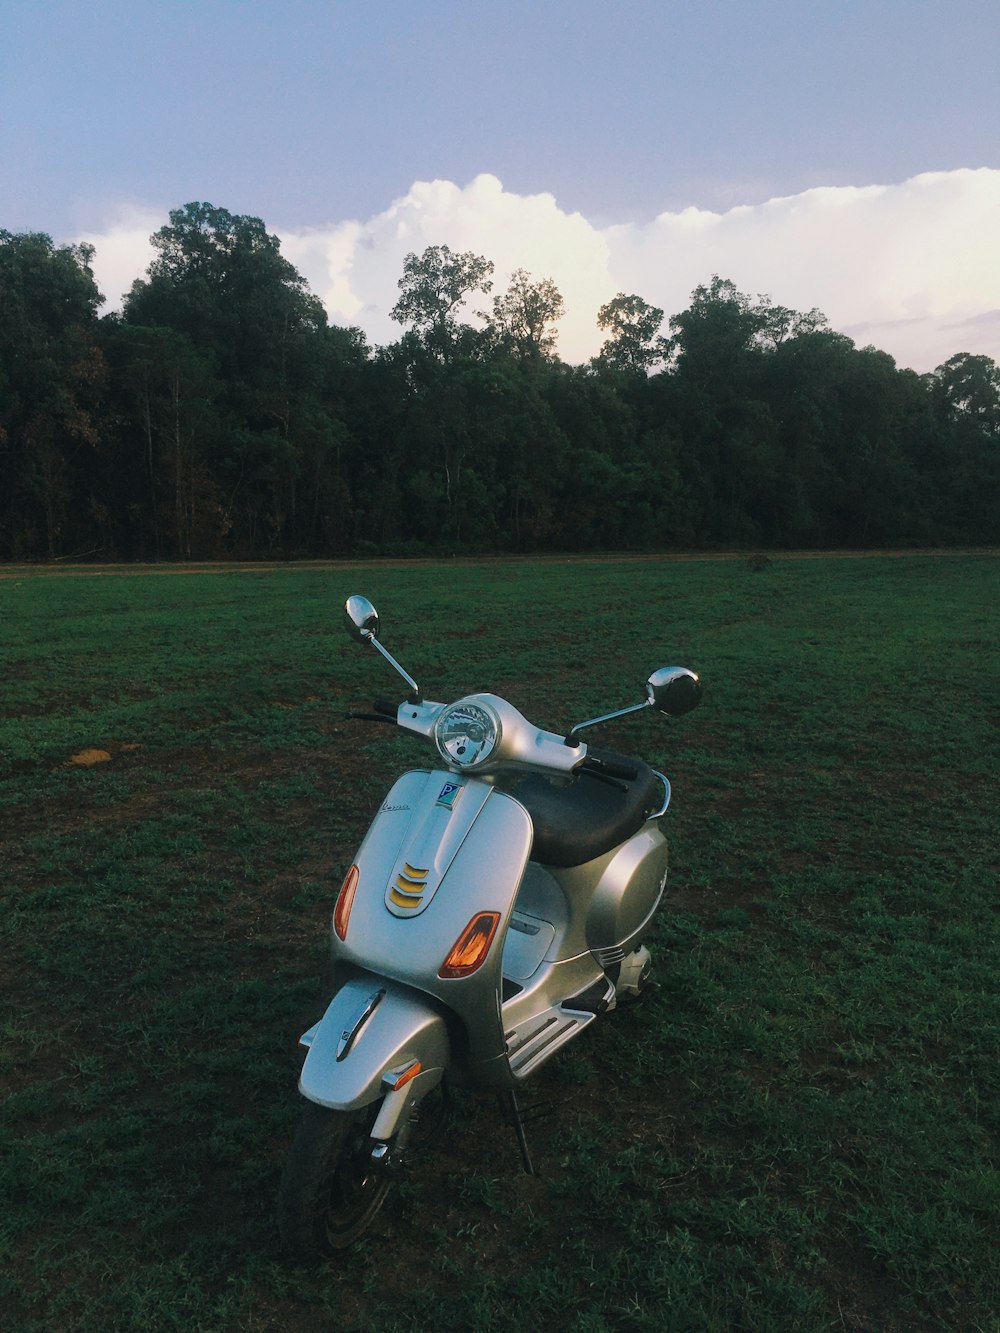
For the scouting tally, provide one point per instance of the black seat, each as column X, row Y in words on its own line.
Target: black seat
column 580, row 820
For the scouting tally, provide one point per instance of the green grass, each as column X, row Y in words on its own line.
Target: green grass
column 797, row 1130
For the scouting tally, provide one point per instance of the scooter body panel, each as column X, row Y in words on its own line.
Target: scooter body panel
column 623, row 889
column 443, row 848
column 601, row 905
column 569, row 931
column 470, row 844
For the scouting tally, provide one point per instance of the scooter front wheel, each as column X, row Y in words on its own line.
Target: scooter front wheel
column 330, row 1190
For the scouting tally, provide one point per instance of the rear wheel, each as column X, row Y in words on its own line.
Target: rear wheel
column 330, row 1190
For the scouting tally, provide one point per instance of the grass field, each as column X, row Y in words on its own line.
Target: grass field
column 797, row 1131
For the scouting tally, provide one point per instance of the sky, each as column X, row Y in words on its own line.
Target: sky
column 838, row 154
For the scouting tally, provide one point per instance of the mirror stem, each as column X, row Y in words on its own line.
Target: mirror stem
column 635, row 708
column 415, row 695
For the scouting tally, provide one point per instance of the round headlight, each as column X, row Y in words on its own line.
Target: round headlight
column 466, row 734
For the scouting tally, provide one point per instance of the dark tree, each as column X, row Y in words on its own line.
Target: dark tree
column 221, row 281
column 634, row 345
column 51, row 382
column 434, row 287
column 221, row 415
column 523, row 317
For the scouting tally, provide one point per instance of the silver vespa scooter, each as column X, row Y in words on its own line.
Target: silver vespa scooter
column 495, row 908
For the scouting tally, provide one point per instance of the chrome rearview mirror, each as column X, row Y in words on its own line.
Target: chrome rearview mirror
column 362, row 623
column 360, row 618
column 673, row 690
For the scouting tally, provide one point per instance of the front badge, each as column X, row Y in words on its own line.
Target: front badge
column 449, row 795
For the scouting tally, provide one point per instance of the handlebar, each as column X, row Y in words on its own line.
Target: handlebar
column 383, row 710
column 608, row 768
column 529, row 748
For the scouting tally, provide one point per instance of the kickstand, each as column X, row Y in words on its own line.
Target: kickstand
column 512, row 1116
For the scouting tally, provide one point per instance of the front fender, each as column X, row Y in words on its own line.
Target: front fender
column 358, row 1042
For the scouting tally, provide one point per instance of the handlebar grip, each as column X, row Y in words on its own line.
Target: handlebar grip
column 626, row 772
column 386, row 707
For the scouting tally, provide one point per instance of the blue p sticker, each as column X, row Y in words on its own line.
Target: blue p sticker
column 449, row 792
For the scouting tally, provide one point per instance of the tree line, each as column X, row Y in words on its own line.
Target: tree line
column 220, row 414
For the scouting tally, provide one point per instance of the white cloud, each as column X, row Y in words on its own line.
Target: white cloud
column 906, row 267
column 123, row 252
column 355, row 267
column 911, row 268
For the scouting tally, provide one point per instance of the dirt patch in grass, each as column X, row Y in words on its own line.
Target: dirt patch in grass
column 74, row 570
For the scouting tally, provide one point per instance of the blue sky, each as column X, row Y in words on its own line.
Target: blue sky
column 327, row 119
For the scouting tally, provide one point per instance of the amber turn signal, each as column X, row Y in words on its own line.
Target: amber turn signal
column 470, row 949
column 345, row 901
column 407, row 1076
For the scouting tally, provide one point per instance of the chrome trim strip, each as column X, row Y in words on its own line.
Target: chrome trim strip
column 350, row 1035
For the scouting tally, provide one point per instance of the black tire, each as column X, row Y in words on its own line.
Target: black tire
column 330, row 1193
